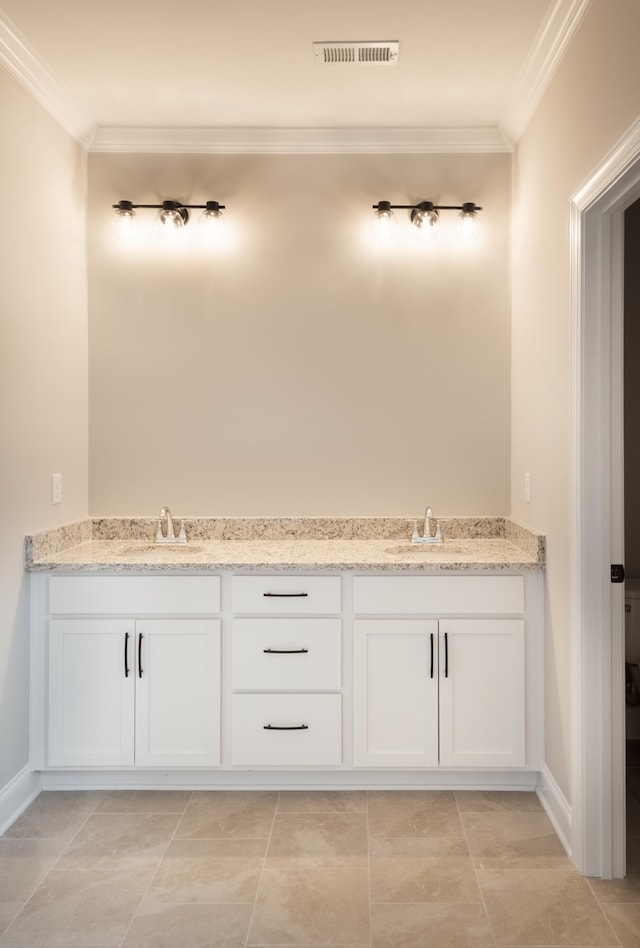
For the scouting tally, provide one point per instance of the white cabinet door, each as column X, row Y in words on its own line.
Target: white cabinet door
column 482, row 693
column 177, row 692
column 91, row 692
column 395, row 697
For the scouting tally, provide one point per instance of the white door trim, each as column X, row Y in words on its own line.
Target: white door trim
column 597, row 505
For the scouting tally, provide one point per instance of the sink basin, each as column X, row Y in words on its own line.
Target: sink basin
column 424, row 549
column 172, row 548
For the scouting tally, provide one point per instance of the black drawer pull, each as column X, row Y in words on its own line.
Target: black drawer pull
column 286, row 595
column 446, row 655
column 285, row 651
column 431, row 673
column 126, row 654
column 140, row 656
column 286, row 727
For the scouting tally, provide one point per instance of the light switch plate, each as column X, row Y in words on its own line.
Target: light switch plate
column 527, row 488
column 56, row 488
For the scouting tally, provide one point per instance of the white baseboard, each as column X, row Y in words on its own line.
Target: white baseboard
column 285, row 780
column 16, row 796
column 557, row 808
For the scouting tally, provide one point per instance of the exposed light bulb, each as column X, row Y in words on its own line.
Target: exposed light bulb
column 384, row 223
column 173, row 217
column 125, row 224
column 468, row 221
column 425, row 218
column 212, row 224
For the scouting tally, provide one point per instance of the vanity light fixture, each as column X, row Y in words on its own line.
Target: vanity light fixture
column 424, row 216
column 173, row 215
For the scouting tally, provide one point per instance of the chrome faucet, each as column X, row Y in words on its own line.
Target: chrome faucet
column 170, row 535
column 427, row 535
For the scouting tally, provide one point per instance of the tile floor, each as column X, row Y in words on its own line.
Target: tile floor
column 384, row 869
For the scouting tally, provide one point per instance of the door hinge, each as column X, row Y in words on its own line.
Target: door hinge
column 617, row 573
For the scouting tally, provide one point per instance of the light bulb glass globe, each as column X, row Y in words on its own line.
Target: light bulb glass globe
column 212, row 226
column 124, row 225
column 426, row 223
column 172, row 220
column 468, row 225
column 383, row 226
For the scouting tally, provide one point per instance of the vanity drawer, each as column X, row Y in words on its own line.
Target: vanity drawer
column 134, row 595
column 438, row 595
column 287, row 654
column 292, row 593
column 287, row 730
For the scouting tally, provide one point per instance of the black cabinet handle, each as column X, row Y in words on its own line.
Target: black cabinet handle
column 126, row 654
column 286, row 595
column 285, row 651
column 140, row 655
column 286, row 727
column 446, row 655
column 431, row 673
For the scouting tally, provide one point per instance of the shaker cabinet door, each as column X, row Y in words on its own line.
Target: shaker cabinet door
column 482, row 693
column 177, row 692
column 91, row 692
column 395, row 688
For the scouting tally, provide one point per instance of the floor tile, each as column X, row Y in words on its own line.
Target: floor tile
column 23, row 865
column 55, row 814
column 209, row 870
column 625, row 919
column 120, row 841
column 430, row 925
column 144, row 801
column 318, row 841
column 222, row 813
column 189, row 926
column 616, row 890
column 321, row 801
column 514, row 840
column 543, row 907
column 482, row 801
column 422, row 870
column 77, row 909
column 413, row 813
column 311, row 907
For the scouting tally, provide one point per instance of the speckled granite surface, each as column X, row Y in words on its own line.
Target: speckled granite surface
column 263, row 544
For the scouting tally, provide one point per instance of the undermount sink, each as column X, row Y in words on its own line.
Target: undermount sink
column 165, row 548
column 426, row 549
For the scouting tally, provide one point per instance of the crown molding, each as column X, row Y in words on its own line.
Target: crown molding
column 544, row 58
column 546, row 54
column 33, row 73
column 299, row 141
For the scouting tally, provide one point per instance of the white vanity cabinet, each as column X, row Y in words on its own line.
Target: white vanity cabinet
column 286, row 706
column 368, row 679
column 439, row 672
column 133, row 690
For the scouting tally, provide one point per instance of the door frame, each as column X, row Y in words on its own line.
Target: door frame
column 597, row 509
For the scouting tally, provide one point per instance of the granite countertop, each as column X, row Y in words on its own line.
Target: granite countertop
column 281, row 544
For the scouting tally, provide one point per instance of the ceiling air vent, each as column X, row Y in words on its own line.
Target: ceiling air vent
column 357, row 54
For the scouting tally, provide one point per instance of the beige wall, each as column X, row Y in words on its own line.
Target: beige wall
column 592, row 100
column 303, row 371
column 43, row 370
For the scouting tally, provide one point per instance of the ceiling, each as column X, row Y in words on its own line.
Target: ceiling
column 128, row 65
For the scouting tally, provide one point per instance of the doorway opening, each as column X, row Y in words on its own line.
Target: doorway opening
column 598, row 770
column 632, row 524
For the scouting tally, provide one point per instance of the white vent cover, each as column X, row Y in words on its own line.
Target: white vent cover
column 357, row 54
